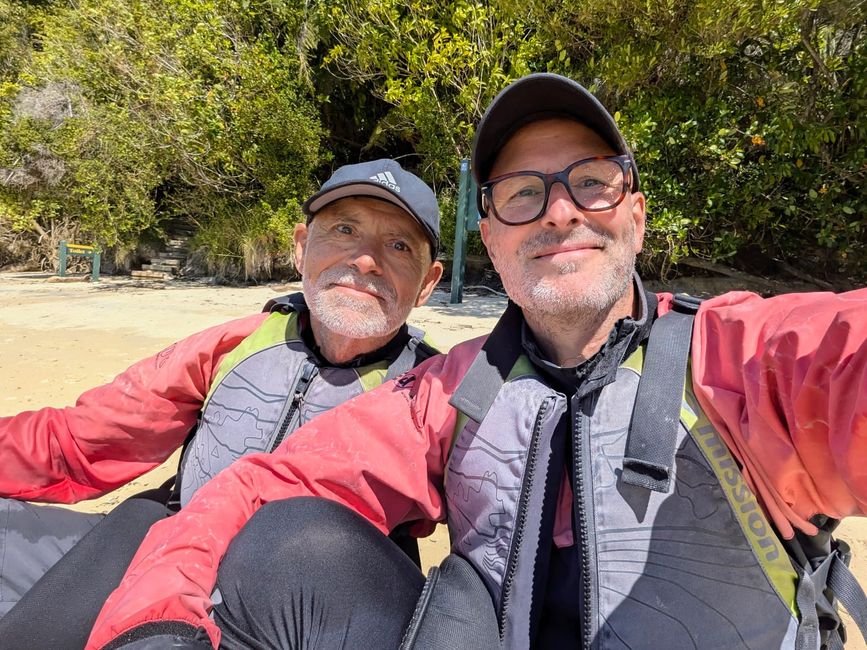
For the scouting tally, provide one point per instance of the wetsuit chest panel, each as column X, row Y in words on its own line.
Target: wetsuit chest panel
column 672, row 570
column 487, row 469
column 242, row 413
column 330, row 388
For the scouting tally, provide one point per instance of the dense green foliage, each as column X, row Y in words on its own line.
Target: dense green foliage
column 118, row 119
column 154, row 111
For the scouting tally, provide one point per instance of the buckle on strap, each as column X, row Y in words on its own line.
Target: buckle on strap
column 819, row 617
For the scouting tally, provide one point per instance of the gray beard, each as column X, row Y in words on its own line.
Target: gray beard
column 546, row 299
column 347, row 316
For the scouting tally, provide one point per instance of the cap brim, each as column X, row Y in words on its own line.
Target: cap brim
column 532, row 98
column 362, row 188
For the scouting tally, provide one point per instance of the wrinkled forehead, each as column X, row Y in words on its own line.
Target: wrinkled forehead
column 548, row 145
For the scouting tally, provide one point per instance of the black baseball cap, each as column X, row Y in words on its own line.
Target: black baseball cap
column 382, row 179
column 536, row 97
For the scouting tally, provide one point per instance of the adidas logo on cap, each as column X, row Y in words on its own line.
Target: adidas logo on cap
column 385, row 178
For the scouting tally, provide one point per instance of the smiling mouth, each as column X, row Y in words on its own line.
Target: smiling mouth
column 566, row 250
column 356, row 289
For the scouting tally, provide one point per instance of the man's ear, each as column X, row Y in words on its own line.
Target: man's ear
column 300, row 239
column 429, row 283
column 485, row 232
column 639, row 216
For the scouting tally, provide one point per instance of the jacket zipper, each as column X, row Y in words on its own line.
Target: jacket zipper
column 512, row 565
column 308, row 372
column 585, row 586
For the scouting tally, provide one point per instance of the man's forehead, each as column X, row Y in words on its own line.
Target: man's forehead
column 535, row 142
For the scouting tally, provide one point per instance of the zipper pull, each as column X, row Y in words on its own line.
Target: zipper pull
column 308, row 372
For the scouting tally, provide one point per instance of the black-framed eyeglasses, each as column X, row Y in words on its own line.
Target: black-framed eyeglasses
column 593, row 184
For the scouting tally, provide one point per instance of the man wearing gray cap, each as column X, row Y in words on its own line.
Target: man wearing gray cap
column 617, row 468
column 367, row 256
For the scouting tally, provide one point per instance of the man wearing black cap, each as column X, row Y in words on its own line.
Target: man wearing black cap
column 367, row 256
column 617, row 468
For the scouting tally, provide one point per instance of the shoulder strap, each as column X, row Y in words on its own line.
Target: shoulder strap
column 285, row 304
column 414, row 352
column 489, row 370
column 652, row 439
column 844, row 585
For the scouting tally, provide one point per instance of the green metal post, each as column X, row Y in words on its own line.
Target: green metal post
column 94, row 273
column 62, row 262
column 460, row 255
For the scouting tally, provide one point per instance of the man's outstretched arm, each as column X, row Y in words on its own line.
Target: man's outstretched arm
column 784, row 381
column 118, row 431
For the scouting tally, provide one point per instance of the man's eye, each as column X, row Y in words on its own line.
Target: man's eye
column 588, row 182
column 526, row 192
column 402, row 246
column 523, row 196
column 344, row 228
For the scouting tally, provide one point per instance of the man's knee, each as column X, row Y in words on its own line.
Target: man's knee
column 308, row 566
column 304, row 530
column 455, row 610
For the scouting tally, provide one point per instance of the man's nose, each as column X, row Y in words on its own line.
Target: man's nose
column 365, row 258
column 561, row 209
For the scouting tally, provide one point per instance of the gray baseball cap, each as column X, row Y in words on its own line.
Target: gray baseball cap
column 382, row 179
column 536, row 97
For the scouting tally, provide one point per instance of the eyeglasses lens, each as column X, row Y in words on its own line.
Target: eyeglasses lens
column 518, row 198
column 596, row 184
column 593, row 184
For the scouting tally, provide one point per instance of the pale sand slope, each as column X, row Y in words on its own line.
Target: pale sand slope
column 58, row 339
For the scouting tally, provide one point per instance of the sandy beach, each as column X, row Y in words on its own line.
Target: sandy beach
column 58, row 339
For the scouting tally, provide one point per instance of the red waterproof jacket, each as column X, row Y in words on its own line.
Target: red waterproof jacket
column 119, row 431
column 784, row 380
